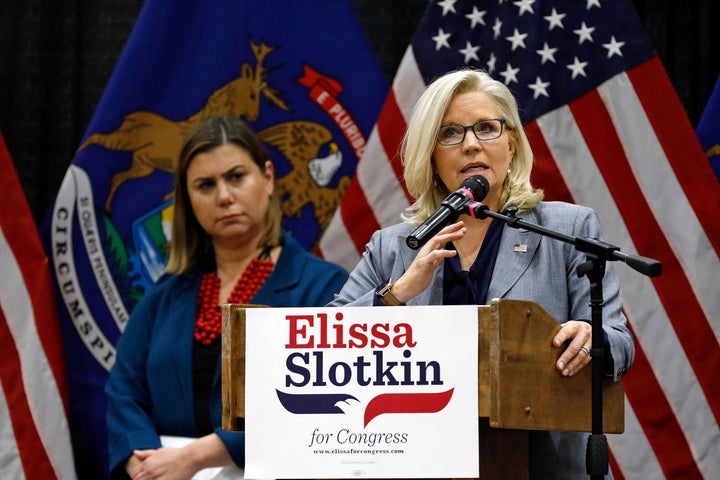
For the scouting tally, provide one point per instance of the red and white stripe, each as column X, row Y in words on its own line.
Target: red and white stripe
column 628, row 151
column 379, row 173
column 34, row 431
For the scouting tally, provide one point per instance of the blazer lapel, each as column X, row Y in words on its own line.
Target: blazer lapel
column 517, row 249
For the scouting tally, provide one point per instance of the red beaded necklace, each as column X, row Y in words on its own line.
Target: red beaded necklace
column 208, row 323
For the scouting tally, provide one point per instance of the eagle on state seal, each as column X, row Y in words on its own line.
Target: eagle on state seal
column 155, row 142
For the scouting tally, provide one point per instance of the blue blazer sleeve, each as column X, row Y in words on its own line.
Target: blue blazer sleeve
column 129, row 421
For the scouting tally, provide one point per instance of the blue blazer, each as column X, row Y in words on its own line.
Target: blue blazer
column 542, row 271
column 150, row 391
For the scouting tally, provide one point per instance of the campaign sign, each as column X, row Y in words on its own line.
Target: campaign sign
column 361, row 392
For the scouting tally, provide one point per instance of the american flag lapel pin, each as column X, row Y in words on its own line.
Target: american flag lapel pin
column 520, row 247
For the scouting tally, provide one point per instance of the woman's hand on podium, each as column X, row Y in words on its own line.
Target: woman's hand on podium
column 577, row 353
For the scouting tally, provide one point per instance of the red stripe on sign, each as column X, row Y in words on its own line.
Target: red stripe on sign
column 407, row 403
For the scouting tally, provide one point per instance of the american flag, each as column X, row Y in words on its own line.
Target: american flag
column 34, row 431
column 608, row 131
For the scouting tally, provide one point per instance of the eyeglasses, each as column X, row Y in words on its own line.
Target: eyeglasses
column 454, row 134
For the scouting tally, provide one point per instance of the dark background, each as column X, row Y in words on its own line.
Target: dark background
column 56, row 58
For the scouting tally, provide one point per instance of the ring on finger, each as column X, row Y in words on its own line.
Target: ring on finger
column 586, row 350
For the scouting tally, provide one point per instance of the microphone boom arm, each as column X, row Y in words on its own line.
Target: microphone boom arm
column 602, row 250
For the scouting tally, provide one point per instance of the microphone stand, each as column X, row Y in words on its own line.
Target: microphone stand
column 598, row 254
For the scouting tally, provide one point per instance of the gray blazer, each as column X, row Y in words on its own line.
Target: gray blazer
column 540, row 269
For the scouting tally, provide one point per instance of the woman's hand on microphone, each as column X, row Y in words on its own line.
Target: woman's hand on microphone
column 429, row 258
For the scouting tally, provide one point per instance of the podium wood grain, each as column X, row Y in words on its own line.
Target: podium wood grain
column 526, row 390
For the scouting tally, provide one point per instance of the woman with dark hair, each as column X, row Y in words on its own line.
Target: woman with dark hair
column 227, row 246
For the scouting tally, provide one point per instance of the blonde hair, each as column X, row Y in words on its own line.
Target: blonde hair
column 418, row 144
column 190, row 245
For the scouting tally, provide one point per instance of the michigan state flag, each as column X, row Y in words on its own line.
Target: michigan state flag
column 708, row 129
column 300, row 73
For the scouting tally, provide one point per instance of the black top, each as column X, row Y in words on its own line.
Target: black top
column 470, row 287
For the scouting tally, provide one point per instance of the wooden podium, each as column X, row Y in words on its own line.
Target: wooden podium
column 519, row 388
